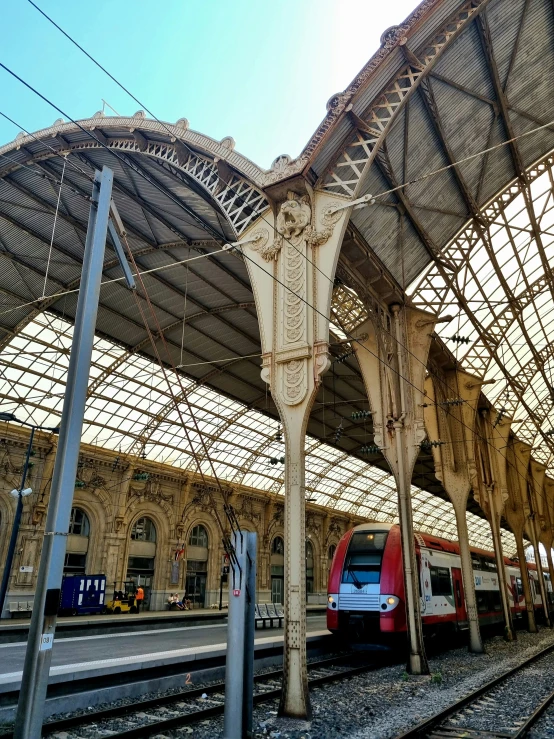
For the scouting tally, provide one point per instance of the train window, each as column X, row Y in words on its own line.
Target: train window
column 476, row 562
column 440, row 581
column 490, row 564
column 482, row 601
column 519, row 587
column 495, row 598
column 372, row 541
column 363, row 561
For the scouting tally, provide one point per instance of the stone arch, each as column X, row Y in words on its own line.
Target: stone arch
column 153, row 502
column 155, row 512
column 215, row 549
column 91, row 504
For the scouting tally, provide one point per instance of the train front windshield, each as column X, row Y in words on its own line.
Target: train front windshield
column 363, row 561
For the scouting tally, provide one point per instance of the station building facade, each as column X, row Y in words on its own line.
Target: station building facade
column 153, row 524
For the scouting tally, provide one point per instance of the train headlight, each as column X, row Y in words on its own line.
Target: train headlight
column 391, row 601
column 388, row 602
column 331, row 599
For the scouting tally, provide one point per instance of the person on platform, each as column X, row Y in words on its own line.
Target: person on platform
column 173, row 600
column 139, row 597
column 186, row 602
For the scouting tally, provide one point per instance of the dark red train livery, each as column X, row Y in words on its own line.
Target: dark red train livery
column 366, row 584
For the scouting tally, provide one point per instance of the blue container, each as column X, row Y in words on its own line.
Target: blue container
column 82, row 594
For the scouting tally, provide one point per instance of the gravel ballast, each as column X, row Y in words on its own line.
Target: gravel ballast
column 383, row 703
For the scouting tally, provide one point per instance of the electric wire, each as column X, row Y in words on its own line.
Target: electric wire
column 126, row 163
column 353, row 339
column 203, row 225
column 164, row 192
column 114, row 279
column 184, row 143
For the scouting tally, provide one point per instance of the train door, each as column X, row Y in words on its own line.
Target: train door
column 459, row 600
column 534, row 589
column 425, row 583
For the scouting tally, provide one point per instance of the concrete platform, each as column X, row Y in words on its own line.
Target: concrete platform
column 83, row 657
column 14, row 630
column 79, row 685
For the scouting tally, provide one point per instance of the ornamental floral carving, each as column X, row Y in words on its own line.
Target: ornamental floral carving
column 284, row 166
column 260, row 244
column 295, row 381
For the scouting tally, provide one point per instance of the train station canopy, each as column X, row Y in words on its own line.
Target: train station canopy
column 449, row 126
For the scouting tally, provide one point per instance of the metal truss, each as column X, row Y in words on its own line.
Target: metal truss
column 237, row 197
column 501, row 278
column 127, row 388
column 346, row 175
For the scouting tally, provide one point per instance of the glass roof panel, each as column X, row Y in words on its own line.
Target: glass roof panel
column 505, row 277
column 131, row 409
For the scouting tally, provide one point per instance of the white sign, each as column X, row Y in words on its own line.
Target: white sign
column 26, row 568
column 46, row 642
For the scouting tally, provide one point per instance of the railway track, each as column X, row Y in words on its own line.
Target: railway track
column 154, row 716
column 500, row 709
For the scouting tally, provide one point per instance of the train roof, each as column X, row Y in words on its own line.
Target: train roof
column 434, row 542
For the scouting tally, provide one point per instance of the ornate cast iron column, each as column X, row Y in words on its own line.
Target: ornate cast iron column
column 291, row 261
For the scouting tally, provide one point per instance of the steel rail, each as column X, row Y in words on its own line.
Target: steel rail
column 423, row 729
column 195, row 715
column 534, row 717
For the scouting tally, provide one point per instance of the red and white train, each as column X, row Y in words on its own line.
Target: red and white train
column 366, row 584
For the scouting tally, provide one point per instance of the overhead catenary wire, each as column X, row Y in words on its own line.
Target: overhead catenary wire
column 234, row 525
column 122, row 160
column 164, row 192
column 185, row 144
column 257, row 213
column 114, row 279
column 54, row 229
column 473, row 431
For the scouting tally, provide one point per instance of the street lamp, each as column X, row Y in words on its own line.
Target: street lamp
column 18, row 493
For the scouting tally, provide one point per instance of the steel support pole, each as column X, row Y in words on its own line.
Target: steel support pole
column 15, row 528
column 540, row 571
column 295, row 697
column 509, row 633
column 249, row 626
column 34, row 682
column 236, row 624
column 551, row 573
column 417, row 660
column 475, row 641
column 529, row 605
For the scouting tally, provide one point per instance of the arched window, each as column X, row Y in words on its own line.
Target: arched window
column 277, row 569
column 331, row 552
column 197, row 566
column 278, row 546
column 309, row 567
column 198, row 536
column 75, row 561
column 79, row 523
column 143, row 530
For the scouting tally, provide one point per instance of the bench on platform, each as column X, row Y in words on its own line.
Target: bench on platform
column 16, row 607
column 268, row 613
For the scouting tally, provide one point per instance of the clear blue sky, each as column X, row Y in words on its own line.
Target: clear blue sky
column 258, row 71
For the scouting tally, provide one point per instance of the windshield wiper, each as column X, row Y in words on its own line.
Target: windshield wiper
column 357, row 583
